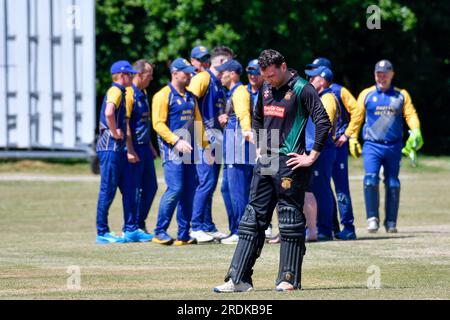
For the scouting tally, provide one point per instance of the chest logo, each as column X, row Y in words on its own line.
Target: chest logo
column 274, row 111
column 179, row 102
column 374, row 99
column 266, row 94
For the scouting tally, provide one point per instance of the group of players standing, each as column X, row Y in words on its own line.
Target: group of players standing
column 282, row 140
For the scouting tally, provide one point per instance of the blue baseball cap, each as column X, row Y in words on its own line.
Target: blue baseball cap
column 122, row 66
column 384, row 66
column 200, row 53
column 230, row 65
column 253, row 68
column 183, row 65
column 319, row 62
column 323, row 72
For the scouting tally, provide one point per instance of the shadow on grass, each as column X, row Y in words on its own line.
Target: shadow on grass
column 305, row 289
column 383, row 237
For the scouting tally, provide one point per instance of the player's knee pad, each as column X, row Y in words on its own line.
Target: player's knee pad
column 291, row 222
column 393, row 183
column 248, row 226
column 371, row 180
column 292, row 247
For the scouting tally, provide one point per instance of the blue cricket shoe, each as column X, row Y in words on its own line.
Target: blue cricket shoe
column 163, row 238
column 346, row 234
column 138, row 235
column 108, row 238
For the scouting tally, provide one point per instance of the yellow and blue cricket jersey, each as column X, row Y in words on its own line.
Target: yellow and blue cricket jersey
column 174, row 115
column 384, row 112
column 106, row 142
column 254, row 98
column 138, row 113
column 350, row 116
column 238, row 104
column 211, row 97
column 331, row 107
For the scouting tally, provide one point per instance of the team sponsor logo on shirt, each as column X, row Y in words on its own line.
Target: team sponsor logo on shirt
column 274, row 111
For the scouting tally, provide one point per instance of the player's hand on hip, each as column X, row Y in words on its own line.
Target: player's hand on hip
column 299, row 160
column 183, row 146
column 354, row 147
column 341, row 141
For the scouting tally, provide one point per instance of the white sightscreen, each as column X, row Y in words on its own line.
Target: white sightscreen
column 47, row 73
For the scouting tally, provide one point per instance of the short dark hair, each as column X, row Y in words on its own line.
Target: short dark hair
column 140, row 65
column 222, row 51
column 270, row 57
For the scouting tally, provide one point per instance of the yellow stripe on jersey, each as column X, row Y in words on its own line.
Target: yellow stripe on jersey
column 199, row 122
column 160, row 111
column 241, row 104
column 199, row 84
column 361, row 108
column 114, row 96
column 355, row 114
column 329, row 103
column 409, row 112
column 129, row 101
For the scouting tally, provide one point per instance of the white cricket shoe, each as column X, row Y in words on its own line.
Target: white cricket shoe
column 372, row 225
column 231, row 287
column 285, row 286
column 268, row 232
column 217, row 235
column 201, row 236
column 233, row 239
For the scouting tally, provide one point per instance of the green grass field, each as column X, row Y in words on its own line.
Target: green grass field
column 48, row 224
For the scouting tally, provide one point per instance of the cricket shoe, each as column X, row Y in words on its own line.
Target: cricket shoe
column 202, row 236
column 284, row 286
column 268, row 232
column 108, row 238
column 324, row 237
column 345, row 234
column 138, row 235
column 390, row 227
column 229, row 286
column 233, row 239
column 372, row 225
column 185, row 242
column 274, row 240
column 162, row 238
column 217, row 235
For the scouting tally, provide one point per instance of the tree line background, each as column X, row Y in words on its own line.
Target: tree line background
column 414, row 36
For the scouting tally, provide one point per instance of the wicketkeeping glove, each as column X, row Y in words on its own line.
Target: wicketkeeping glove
column 414, row 143
column 355, row 147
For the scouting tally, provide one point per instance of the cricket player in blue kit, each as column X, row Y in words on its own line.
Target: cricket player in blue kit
column 175, row 115
column 238, row 167
column 385, row 106
column 111, row 148
column 321, row 78
column 346, row 137
column 140, row 183
column 206, row 86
